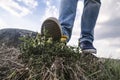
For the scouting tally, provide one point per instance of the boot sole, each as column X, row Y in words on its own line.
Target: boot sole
column 51, row 28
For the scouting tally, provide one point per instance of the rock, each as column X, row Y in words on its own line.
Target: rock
column 10, row 37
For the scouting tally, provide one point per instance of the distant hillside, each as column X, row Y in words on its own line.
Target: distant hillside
column 11, row 36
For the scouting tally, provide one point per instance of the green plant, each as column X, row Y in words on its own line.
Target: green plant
column 46, row 59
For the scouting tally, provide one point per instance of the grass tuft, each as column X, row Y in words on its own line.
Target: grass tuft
column 45, row 59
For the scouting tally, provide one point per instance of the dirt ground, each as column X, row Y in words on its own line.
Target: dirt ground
column 9, row 60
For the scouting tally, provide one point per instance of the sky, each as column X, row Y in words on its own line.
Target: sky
column 30, row 14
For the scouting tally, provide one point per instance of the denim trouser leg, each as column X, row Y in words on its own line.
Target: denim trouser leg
column 89, row 17
column 67, row 16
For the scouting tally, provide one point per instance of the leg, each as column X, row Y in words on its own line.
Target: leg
column 67, row 16
column 89, row 17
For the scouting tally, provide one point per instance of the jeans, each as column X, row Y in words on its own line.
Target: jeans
column 88, row 20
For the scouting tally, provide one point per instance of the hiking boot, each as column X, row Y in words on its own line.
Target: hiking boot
column 51, row 28
column 87, row 47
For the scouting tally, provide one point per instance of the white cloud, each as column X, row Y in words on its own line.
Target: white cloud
column 108, row 45
column 108, row 10
column 103, row 18
column 2, row 24
column 16, row 9
column 50, row 11
column 114, row 42
column 105, row 49
column 29, row 3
